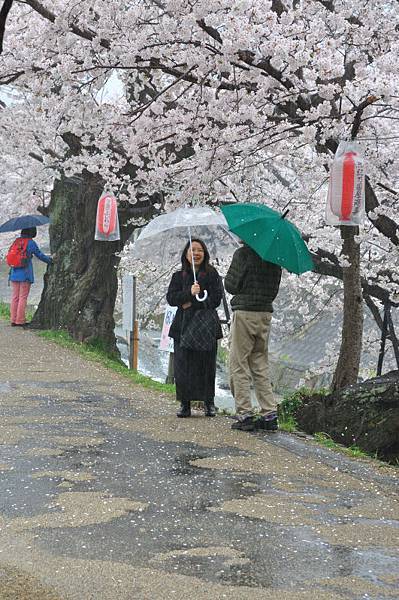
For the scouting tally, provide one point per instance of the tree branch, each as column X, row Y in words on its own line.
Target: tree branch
column 50, row 16
column 359, row 112
column 333, row 269
column 5, row 9
column 384, row 224
column 388, row 189
column 211, row 31
column 374, row 310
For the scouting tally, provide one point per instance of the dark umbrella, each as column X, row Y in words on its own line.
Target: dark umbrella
column 24, row 222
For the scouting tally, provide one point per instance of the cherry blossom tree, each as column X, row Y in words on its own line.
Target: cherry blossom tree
column 216, row 102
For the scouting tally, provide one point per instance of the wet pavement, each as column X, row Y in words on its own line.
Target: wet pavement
column 105, row 494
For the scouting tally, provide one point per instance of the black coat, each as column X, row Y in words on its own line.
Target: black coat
column 179, row 292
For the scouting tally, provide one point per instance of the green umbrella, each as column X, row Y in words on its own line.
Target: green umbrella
column 268, row 233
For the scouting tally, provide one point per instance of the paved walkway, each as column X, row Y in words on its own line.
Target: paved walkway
column 104, row 494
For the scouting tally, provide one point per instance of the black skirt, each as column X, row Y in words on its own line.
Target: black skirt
column 195, row 374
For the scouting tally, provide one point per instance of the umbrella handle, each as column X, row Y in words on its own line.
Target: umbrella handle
column 204, row 298
column 195, row 277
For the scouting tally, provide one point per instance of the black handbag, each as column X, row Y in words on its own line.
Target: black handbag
column 202, row 331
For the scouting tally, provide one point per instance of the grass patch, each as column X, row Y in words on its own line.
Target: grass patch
column 222, row 355
column 324, row 440
column 288, row 424
column 354, row 451
column 286, row 416
column 288, row 407
column 4, row 310
column 95, row 352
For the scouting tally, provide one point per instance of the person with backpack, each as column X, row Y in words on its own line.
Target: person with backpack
column 19, row 258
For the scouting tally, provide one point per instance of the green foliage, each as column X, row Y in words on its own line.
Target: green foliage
column 354, row 451
column 288, row 407
column 287, row 423
column 95, row 352
column 222, row 355
column 325, row 440
column 291, row 403
column 29, row 314
column 4, row 310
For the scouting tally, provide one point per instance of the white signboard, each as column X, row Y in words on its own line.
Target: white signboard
column 127, row 302
column 166, row 343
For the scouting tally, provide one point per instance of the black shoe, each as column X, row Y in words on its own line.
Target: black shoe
column 267, row 424
column 17, row 324
column 210, row 410
column 184, row 411
column 246, row 424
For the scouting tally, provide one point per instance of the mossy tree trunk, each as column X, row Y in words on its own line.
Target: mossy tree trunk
column 80, row 287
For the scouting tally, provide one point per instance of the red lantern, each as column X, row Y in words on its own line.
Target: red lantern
column 107, row 223
column 345, row 204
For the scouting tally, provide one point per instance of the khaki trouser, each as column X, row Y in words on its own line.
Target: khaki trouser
column 249, row 361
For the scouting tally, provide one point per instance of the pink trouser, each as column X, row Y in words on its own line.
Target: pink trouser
column 19, row 297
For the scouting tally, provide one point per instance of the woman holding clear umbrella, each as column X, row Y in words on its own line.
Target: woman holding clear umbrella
column 194, row 370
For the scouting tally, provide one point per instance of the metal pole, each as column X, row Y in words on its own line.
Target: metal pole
column 134, row 335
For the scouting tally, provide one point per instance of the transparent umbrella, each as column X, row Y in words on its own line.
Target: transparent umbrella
column 163, row 239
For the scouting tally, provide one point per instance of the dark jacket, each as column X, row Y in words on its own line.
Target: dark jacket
column 253, row 282
column 179, row 292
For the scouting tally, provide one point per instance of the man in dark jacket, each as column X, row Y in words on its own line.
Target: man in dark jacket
column 254, row 284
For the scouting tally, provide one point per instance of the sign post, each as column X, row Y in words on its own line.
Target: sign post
column 166, row 343
column 134, row 333
column 130, row 322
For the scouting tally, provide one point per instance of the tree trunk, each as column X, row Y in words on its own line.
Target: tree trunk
column 347, row 369
column 80, row 287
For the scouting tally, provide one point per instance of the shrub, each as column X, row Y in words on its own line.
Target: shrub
column 292, row 402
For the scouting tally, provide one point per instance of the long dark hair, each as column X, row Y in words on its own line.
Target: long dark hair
column 205, row 265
